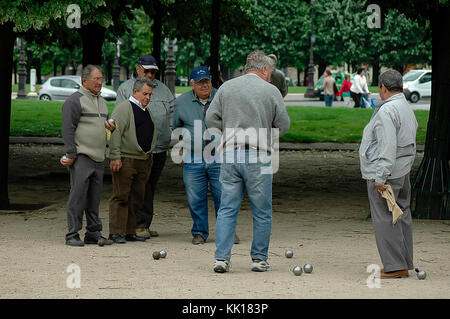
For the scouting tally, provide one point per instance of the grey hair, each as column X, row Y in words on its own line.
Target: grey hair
column 274, row 58
column 392, row 80
column 139, row 83
column 257, row 60
column 87, row 70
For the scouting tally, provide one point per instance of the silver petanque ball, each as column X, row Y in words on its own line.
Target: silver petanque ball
column 163, row 253
column 421, row 275
column 308, row 268
column 289, row 253
column 297, row 270
column 111, row 121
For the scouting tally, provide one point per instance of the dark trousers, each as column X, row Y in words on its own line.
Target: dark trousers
column 356, row 97
column 128, row 195
column 86, row 181
column 144, row 216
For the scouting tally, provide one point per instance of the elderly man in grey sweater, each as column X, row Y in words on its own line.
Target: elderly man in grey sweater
column 246, row 110
column 387, row 153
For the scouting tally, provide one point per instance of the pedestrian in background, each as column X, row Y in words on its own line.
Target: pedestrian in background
column 359, row 87
column 344, row 92
column 328, row 88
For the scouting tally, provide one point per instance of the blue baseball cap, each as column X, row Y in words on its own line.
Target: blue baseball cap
column 148, row 62
column 200, row 73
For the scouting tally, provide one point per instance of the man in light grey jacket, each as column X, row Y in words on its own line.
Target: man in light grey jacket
column 245, row 110
column 387, row 153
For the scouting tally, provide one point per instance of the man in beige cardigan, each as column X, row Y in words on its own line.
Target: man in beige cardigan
column 130, row 151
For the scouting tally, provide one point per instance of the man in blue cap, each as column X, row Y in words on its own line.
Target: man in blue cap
column 199, row 173
column 161, row 108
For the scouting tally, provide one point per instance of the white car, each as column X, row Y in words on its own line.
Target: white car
column 59, row 88
column 417, row 84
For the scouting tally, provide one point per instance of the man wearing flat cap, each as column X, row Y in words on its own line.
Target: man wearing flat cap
column 161, row 107
column 199, row 173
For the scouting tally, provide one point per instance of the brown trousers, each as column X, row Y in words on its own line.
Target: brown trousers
column 128, row 195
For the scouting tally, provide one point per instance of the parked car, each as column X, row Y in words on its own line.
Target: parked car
column 417, row 84
column 59, row 88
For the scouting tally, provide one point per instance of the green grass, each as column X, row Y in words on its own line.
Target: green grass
column 308, row 124
column 342, row 125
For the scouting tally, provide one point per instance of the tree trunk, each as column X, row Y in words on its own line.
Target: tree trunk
column 6, row 55
column 157, row 34
column 322, row 68
column 430, row 187
column 376, row 72
column 92, row 36
column 38, row 71
column 215, row 43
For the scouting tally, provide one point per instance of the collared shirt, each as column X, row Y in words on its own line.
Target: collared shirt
column 132, row 99
column 189, row 109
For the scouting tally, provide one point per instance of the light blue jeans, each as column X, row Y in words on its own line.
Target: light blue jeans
column 234, row 177
column 198, row 177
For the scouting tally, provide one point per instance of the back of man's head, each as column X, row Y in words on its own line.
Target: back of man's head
column 257, row 60
column 392, row 80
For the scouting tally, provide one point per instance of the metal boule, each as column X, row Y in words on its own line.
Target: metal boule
column 289, row 253
column 163, row 254
column 297, row 270
column 308, row 268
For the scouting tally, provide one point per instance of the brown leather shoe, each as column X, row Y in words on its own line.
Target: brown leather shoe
column 394, row 274
column 236, row 239
column 198, row 239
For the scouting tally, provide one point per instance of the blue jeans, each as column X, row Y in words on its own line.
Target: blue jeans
column 197, row 177
column 329, row 100
column 364, row 102
column 233, row 177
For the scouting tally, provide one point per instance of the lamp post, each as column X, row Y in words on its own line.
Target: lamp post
column 116, row 67
column 170, row 72
column 22, row 94
column 310, row 89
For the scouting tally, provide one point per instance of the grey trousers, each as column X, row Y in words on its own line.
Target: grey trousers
column 86, row 181
column 394, row 241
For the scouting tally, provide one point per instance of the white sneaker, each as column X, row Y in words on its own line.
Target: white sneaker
column 222, row 266
column 260, row 265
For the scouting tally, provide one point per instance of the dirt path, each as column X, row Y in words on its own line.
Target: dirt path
column 320, row 212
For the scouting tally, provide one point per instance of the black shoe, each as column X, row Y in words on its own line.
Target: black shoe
column 75, row 241
column 94, row 241
column 118, row 239
column 133, row 237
